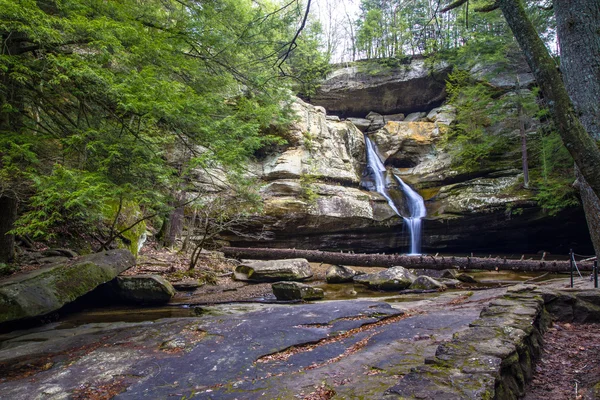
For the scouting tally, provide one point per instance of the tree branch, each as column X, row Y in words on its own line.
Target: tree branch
column 292, row 44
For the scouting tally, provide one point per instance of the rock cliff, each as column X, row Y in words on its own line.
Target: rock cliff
column 317, row 191
column 355, row 90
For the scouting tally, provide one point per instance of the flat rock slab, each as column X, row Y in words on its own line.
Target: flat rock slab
column 293, row 269
column 273, row 351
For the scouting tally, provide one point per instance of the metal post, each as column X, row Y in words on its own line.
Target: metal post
column 596, row 274
column 571, row 263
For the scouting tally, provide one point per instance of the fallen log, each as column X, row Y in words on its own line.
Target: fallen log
column 417, row 262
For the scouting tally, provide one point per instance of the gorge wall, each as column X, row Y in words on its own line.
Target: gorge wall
column 316, row 188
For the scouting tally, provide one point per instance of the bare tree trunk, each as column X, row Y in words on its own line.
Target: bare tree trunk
column 173, row 225
column 8, row 216
column 390, row 260
column 523, row 134
column 578, row 25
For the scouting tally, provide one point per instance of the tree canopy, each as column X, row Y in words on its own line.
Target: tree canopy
column 98, row 98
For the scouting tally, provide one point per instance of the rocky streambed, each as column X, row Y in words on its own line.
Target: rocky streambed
column 454, row 344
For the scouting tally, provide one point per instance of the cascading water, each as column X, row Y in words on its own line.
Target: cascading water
column 415, row 203
column 416, row 209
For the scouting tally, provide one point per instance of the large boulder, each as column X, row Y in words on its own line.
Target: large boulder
column 296, row 269
column 144, row 289
column 48, row 289
column 296, row 291
column 427, row 283
column 394, row 278
column 339, row 274
column 460, row 276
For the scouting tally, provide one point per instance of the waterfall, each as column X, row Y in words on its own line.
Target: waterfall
column 374, row 162
column 416, row 209
column 415, row 203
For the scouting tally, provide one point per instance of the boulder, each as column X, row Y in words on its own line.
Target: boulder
column 427, row 283
column 45, row 290
column 393, row 117
column 296, row 291
column 144, row 289
column 414, row 117
column 339, row 274
column 296, row 269
column 442, row 115
column 362, row 124
column 377, row 121
column 394, row 278
column 460, row 276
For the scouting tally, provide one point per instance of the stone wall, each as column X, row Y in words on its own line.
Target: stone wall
column 494, row 358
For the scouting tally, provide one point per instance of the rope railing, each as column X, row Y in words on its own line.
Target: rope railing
column 574, row 267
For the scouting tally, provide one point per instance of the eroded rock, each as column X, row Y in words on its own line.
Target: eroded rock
column 49, row 288
column 394, row 278
column 296, row 269
column 339, row 274
column 296, row 291
column 353, row 91
column 144, row 289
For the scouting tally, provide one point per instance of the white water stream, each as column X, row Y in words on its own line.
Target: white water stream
column 415, row 203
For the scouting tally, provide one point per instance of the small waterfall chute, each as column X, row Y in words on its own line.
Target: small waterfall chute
column 417, row 211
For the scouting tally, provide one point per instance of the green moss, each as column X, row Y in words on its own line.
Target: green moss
column 129, row 214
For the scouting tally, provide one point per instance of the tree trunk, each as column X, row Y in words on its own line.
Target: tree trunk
column 173, row 225
column 8, row 216
column 580, row 144
column 578, row 26
column 523, row 134
column 390, row 260
column 591, row 207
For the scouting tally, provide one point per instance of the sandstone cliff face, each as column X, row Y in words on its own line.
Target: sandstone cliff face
column 317, row 192
column 352, row 92
column 312, row 192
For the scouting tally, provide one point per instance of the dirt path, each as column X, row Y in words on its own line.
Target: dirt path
column 570, row 364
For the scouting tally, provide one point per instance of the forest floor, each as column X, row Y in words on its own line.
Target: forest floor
column 570, row 364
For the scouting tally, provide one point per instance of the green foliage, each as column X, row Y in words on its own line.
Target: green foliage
column 307, row 186
column 387, row 29
column 308, row 65
column 7, row 269
column 471, row 144
column 98, row 96
column 554, row 173
column 483, row 136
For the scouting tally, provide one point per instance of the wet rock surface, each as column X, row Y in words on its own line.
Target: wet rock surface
column 451, row 345
column 296, row 291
